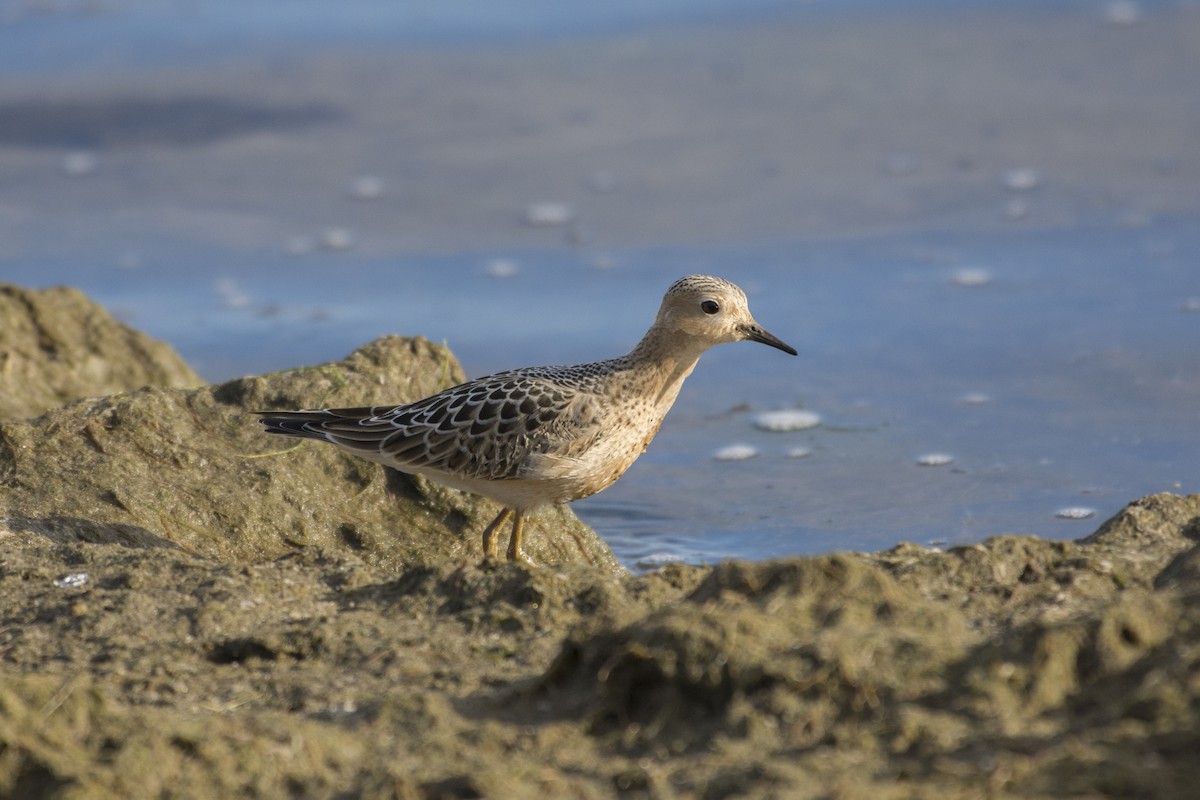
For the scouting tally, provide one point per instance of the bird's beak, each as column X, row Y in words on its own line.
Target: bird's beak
column 756, row 334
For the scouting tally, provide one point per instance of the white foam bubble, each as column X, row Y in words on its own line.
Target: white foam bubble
column 367, row 187
column 79, row 164
column 1022, row 179
column 548, row 214
column 232, row 295
column 971, row 276
column 659, row 559
column 1075, row 512
column 736, row 452
column 975, row 399
column 337, row 239
column 786, row 419
column 502, row 268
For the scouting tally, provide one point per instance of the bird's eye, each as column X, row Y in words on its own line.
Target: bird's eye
column 710, row 307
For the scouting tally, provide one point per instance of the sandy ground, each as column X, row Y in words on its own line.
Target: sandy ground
column 808, row 126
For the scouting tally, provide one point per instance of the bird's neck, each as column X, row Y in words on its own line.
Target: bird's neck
column 663, row 365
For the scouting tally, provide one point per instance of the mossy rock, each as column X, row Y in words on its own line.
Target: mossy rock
column 192, row 468
column 56, row 346
column 792, row 648
column 1016, row 668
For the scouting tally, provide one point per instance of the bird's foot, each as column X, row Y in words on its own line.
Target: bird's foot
column 514, row 544
column 519, row 557
column 491, row 550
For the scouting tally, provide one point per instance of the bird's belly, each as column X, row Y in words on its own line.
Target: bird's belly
column 604, row 462
column 562, row 484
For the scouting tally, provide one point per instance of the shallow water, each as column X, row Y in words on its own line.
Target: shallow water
column 42, row 36
column 1062, row 375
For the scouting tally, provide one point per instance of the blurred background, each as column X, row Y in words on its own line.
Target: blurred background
column 977, row 221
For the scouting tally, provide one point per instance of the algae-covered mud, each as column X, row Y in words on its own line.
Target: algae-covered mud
column 57, row 346
column 187, row 611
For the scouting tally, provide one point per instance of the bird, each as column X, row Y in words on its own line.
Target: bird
column 530, row 437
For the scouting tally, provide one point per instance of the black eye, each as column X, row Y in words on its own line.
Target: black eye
column 710, row 307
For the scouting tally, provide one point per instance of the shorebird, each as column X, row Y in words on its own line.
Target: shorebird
column 531, row 437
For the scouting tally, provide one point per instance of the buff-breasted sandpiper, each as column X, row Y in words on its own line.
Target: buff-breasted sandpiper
column 530, row 437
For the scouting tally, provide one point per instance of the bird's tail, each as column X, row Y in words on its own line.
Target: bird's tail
column 314, row 424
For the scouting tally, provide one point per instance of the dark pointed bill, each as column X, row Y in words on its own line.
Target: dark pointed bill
column 756, row 334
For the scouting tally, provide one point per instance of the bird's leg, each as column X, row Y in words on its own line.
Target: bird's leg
column 514, row 544
column 489, row 534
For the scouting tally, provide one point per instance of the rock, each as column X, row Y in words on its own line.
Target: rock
column 1156, row 520
column 1013, row 668
column 193, row 468
column 56, row 346
column 796, row 647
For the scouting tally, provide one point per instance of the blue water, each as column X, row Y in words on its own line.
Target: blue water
column 145, row 32
column 40, row 37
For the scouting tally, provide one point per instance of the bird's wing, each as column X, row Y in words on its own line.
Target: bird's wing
column 493, row 428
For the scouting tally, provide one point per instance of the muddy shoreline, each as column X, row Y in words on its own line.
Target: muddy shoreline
column 188, row 614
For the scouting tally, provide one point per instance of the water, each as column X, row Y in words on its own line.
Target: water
column 81, row 34
column 1068, row 380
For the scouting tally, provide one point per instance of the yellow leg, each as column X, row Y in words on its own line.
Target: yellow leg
column 489, row 534
column 514, row 544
